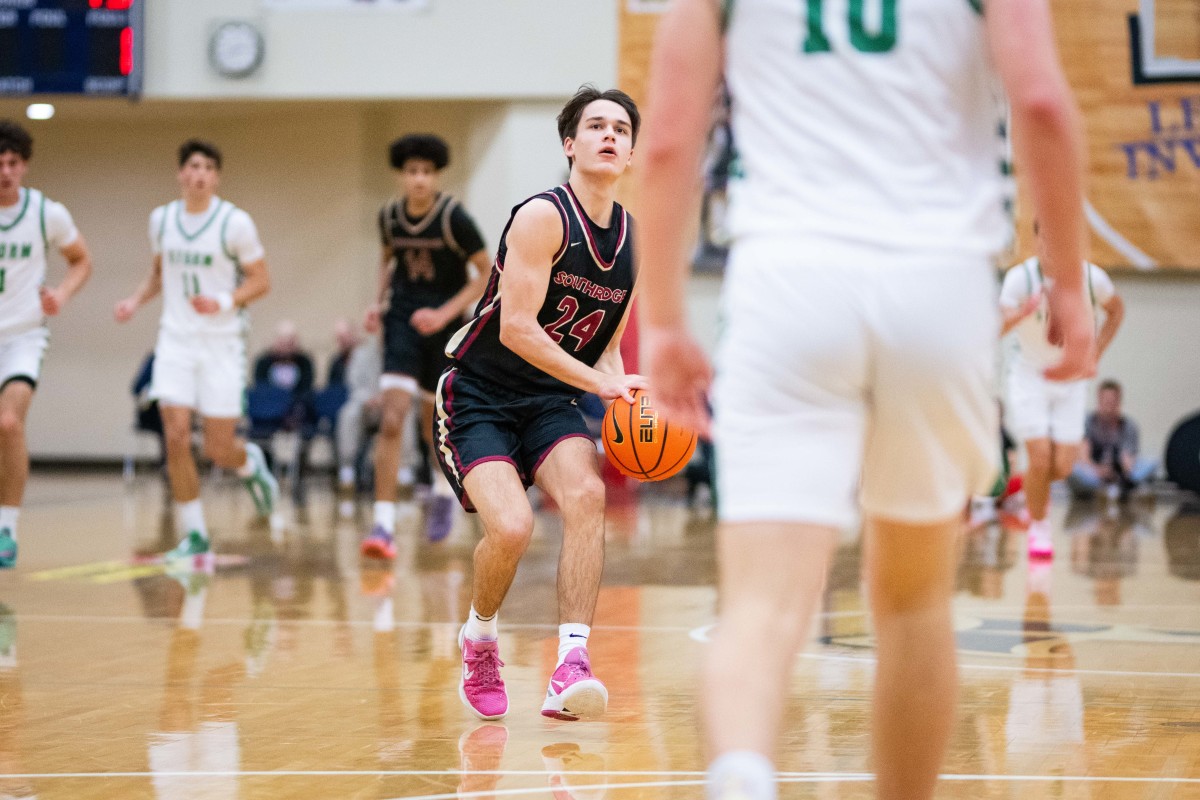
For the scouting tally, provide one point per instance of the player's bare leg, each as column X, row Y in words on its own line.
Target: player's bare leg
column 771, row 578
column 1063, row 459
column 15, row 400
column 181, row 465
column 393, row 413
column 570, row 475
column 496, row 490
column 228, row 451
column 1038, row 475
column 910, row 575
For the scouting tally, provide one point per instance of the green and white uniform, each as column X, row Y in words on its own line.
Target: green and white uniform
column 200, row 359
column 1038, row 408
column 28, row 231
column 867, row 201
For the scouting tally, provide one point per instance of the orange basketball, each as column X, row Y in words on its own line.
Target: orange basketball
column 641, row 444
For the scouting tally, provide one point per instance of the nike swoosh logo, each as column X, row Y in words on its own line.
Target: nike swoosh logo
column 558, row 687
column 618, row 436
column 575, row 244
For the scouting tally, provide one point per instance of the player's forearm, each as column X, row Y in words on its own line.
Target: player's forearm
column 385, row 278
column 670, row 178
column 457, row 305
column 79, row 269
column 256, row 284
column 1049, row 144
column 1009, row 320
column 530, row 342
column 611, row 362
column 1113, row 318
column 148, row 289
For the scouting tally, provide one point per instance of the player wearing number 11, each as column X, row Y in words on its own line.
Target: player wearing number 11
column 208, row 265
column 547, row 329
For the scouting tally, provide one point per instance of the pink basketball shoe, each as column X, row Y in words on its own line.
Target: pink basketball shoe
column 481, row 688
column 574, row 692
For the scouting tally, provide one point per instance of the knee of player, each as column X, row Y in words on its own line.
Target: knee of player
column 177, row 436
column 585, row 496
column 1040, row 462
column 11, row 424
column 513, row 532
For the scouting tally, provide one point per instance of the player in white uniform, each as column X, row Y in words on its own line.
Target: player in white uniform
column 866, row 210
column 209, row 265
column 1047, row 416
column 30, row 226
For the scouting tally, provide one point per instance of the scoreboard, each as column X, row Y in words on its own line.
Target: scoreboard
column 91, row 47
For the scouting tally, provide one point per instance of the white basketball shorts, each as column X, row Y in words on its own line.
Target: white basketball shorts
column 205, row 372
column 21, row 356
column 868, row 386
column 1042, row 409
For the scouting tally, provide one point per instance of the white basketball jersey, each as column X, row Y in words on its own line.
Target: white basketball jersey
column 197, row 260
column 867, row 131
column 22, row 264
column 1024, row 281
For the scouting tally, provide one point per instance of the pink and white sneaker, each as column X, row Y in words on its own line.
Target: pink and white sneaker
column 1040, row 543
column 481, row 688
column 573, row 691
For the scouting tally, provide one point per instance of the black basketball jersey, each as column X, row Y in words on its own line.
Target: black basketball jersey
column 429, row 264
column 591, row 281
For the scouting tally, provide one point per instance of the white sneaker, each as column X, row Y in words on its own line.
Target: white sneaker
column 1040, row 543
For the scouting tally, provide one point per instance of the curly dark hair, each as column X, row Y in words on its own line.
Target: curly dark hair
column 204, row 148
column 426, row 146
column 568, row 118
column 15, row 139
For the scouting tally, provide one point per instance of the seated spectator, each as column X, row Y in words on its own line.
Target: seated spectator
column 346, row 339
column 286, row 367
column 1109, row 458
column 359, row 415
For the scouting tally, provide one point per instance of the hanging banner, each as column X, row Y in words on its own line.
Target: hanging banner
column 1135, row 69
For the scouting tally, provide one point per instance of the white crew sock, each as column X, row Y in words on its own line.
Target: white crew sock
column 385, row 515
column 250, row 465
column 191, row 517
column 346, row 476
column 482, row 628
column 742, row 774
column 8, row 519
column 570, row 636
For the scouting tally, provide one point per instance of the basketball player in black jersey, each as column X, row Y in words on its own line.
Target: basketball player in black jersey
column 547, row 330
column 428, row 241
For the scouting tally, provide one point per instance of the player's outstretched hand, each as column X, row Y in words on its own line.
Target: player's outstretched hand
column 125, row 309
column 1071, row 329
column 622, row 386
column 53, row 300
column 680, row 377
column 428, row 321
column 371, row 319
column 203, row 304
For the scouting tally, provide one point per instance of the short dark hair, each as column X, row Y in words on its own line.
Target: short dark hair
column 204, row 148
column 572, row 112
column 15, row 139
column 1109, row 383
column 425, row 146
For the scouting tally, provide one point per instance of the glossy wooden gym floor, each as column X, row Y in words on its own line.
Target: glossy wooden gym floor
column 295, row 671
